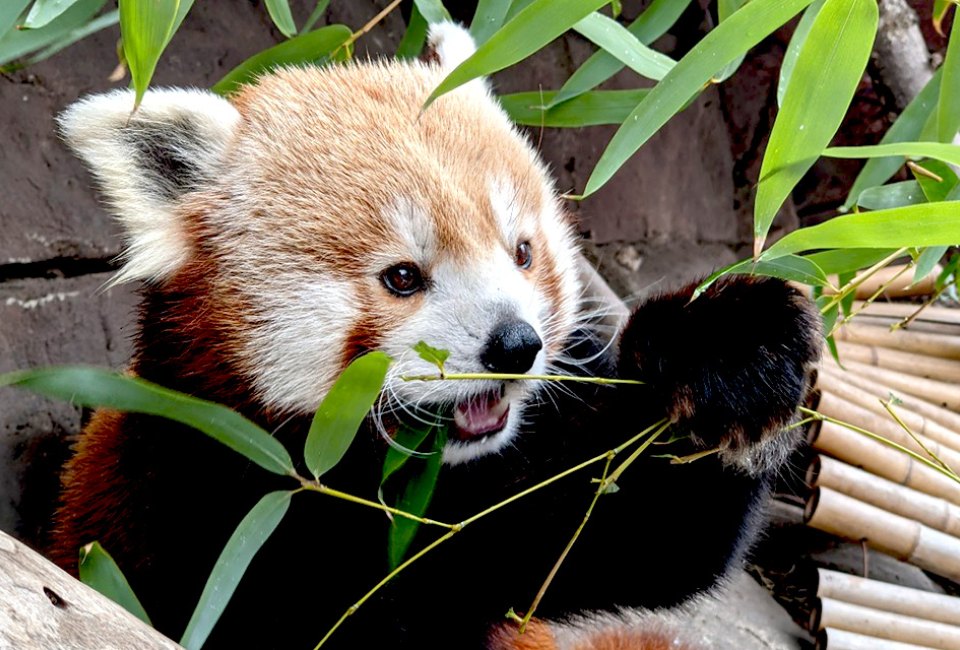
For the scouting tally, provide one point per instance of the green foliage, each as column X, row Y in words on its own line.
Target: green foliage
column 98, row 571
column 279, row 11
column 18, row 43
column 591, row 108
column 431, row 354
column 615, row 39
column 145, row 27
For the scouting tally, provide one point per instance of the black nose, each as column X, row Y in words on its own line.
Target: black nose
column 512, row 347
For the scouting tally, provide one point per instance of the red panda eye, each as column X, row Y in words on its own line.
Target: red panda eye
column 403, row 279
column 523, row 255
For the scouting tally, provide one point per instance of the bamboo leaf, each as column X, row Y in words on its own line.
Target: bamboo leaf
column 613, row 37
column 10, row 12
column 145, row 27
column 788, row 267
column 487, row 19
column 848, row 260
column 415, row 498
column 927, row 224
column 431, row 354
column 100, row 572
column 103, row 388
column 948, row 107
column 100, row 22
column 927, row 260
column 907, row 127
column 279, row 11
column 725, row 9
column 16, row 43
column 933, row 189
column 342, row 411
column 243, row 545
column 594, row 108
column 44, row 11
column 311, row 47
column 648, row 27
column 824, row 79
column 722, row 45
column 432, row 10
column 894, row 195
column 940, row 8
column 532, row 28
column 793, row 49
column 415, row 37
column 949, row 153
column 315, row 15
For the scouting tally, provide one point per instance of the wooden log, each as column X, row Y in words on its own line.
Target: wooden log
column 901, row 310
column 875, row 457
column 930, row 510
column 929, row 410
column 910, row 363
column 43, row 607
column 935, row 345
column 916, row 325
column 940, row 393
column 884, row 425
column 905, row 539
column 837, row 614
column 888, row 597
column 833, row 639
column 899, row 283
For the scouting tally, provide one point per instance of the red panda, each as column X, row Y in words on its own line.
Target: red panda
column 317, row 215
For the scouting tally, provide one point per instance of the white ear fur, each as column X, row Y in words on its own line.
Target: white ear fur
column 450, row 43
column 145, row 161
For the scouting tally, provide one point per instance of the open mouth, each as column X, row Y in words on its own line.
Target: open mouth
column 480, row 416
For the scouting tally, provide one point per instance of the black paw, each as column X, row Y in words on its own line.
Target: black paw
column 730, row 367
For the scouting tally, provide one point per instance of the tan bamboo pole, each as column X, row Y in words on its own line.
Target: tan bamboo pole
column 901, row 310
column 911, row 363
column 830, row 638
column 899, row 499
column 936, row 345
column 856, row 449
column 916, row 325
column 883, row 425
column 888, row 597
column 939, row 392
column 839, row 615
column 945, row 417
column 836, row 383
column 899, row 283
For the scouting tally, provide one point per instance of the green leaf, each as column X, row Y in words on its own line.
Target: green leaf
column 279, row 11
column 824, row 79
column 793, row 49
column 648, row 27
column 537, row 108
column 933, row 189
column 927, row 260
column 182, row 10
column 949, row 153
column 894, row 195
column 487, row 19
column 948, row 108
column 532, row 28
column 613, row 37
column 312, row 47
column 16, row 43
column 847, row 260
column 342, row 411
column 940, row 8
column 315, row 15
column 414, row 38
column 927, row 224
column 431, row 354
column 100, row 22
column 725, row 9
column 243, row 545
column 408, row 441
column 98, row 571
column 145, row 28
column 10, row 11
column 44, row 11
column 907, row 127
column 788, row 267
column 415, row 499
column 432, row 10
column 96, row 387
column 743, row 30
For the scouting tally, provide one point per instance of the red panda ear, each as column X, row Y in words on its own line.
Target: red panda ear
column 449, row 45
column 147, row 160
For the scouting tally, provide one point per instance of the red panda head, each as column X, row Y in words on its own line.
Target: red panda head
column 333, row 217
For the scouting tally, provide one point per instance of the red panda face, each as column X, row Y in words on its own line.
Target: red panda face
column 328, row 216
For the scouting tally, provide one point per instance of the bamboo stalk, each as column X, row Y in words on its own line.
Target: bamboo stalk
column 941, row 393
column 899, row 283
column 899, row 499
column 835, row 639
column 916, row 325
column 883, row 425
column 901, row 310
column 942, row 416
column 839, row 615
column 911, row 363
column 888, row 597
column 936, row 345
column 878, row 459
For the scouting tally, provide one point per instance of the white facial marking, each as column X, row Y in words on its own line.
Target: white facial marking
column 415, row 232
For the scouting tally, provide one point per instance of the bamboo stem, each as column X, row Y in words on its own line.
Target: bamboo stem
column 888, row 597
column 910, row 363
column 941, row 393
column 945, row 346
column 830, row 638
column 901, row 310
column 895, row 281
column 885, row 625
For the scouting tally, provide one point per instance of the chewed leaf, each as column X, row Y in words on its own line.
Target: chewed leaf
column 431, row 354
column 99, row 571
